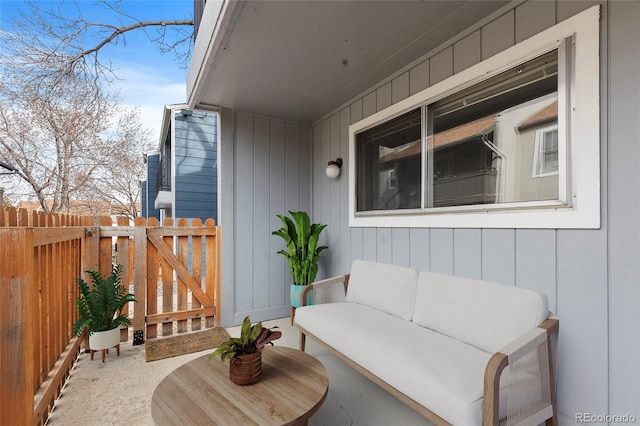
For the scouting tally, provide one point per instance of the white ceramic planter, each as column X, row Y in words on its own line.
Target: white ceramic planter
column 104, row 339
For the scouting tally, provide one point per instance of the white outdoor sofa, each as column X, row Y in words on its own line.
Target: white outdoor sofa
column 458, row 351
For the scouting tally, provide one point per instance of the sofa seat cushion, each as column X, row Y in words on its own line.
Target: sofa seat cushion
column 436, row 371
column 483, row 314
column 388, row 288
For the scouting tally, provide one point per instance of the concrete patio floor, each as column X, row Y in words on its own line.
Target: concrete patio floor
column 119, row 391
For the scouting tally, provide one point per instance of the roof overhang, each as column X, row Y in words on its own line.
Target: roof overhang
column 300, row 60
column 165, row 128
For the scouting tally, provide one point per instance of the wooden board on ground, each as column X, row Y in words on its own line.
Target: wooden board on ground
column 182, row 344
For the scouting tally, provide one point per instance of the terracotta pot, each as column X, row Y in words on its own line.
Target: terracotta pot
column 246, row 369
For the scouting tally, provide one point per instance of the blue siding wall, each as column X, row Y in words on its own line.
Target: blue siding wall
column 143, row 198
column 196, row 170
column 153, row 161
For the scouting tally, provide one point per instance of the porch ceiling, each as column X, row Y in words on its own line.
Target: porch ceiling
column 299, row 60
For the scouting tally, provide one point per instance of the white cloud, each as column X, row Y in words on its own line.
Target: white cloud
column 150, row 89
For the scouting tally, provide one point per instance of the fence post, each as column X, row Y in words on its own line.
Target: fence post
column 122, row 258
column 153, row 269
column 91, row 261
column 196, row 267
column 167, row 282
column 92, row 245
column 16, row 358
column 213, row 271
column 106, row 249
column 140, row 279
column 183, row 256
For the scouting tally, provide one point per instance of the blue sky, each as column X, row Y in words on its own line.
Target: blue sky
column 148, row 79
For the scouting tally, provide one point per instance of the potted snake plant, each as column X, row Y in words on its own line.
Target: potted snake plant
column 301, row 251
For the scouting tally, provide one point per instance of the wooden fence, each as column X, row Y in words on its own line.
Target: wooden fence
column 40, row 258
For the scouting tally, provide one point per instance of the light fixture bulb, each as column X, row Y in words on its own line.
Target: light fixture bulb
column 333, row 168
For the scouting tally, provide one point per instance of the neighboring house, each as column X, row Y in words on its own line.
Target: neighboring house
column 149, row 187
column 298, row 84
column 182, row 174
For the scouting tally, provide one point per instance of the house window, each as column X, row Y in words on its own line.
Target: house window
column 545, row 157
column 389, row 167
column 503, row 144
column 476, row 143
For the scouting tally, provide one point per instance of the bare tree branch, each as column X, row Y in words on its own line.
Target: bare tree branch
column 56, row 119
column 46, row 47
column 118, row 31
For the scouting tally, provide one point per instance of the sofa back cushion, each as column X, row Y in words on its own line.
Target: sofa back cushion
column 481, row 313
column 388, row 288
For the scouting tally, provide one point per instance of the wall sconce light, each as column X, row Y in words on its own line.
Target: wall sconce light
column 333, row 168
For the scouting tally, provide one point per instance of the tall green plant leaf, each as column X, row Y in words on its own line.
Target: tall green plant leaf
column 301, row 242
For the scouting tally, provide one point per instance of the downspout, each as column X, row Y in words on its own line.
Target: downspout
column 501, row 155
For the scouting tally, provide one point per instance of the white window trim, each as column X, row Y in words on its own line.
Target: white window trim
column 579, row 188
column 537, row 152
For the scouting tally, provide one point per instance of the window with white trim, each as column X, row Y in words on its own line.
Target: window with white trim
column 545, row 157
column 493, row 146
column 474, row 146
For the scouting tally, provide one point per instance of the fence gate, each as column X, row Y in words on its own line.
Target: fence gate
column 174, row 271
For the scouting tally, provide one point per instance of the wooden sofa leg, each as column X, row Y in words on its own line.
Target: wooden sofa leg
column 303, row 339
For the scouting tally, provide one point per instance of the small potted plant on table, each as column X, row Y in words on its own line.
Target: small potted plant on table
column 245, row 352
column 100, row 310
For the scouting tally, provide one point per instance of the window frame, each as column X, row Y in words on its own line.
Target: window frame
column 577, row 40
column 538, row 152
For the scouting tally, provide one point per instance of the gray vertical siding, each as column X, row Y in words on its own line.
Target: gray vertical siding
column 227, row 220
column 196, row 170
column 591, row 277
column 498, row 255
column 271, row 175
column 468, row 253
column 624, row 210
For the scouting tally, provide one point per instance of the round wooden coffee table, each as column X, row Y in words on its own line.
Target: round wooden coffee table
column 293, row 386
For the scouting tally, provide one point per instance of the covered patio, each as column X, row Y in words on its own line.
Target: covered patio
column 294, row 83
column 130, row 381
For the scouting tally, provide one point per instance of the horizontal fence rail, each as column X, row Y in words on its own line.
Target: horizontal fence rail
column 173, row 272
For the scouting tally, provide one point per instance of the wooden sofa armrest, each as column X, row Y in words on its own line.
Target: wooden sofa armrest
column 324, row 283
column 544, row 337
column 340, row 279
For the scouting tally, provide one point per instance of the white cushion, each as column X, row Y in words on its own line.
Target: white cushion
column 388, row 288
column 483, row 314
column 441, row 373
